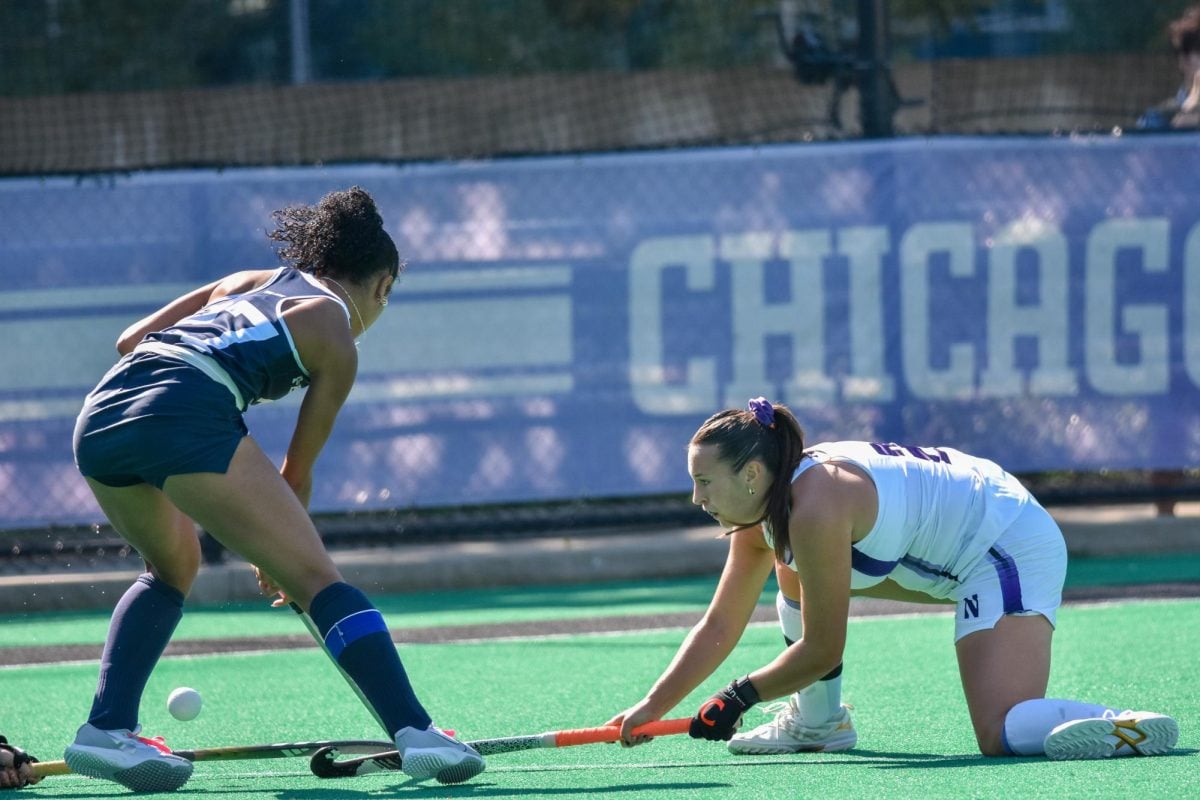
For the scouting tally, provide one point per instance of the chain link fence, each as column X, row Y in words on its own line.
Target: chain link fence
column 136, row 84
column 96, row 90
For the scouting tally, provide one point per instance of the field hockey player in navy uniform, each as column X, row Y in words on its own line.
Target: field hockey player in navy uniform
column 880, row 520
column 162, row 444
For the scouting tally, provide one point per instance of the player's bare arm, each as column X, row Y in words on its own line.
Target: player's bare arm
column 826, row 511
column 187, row 305
column 710, row 642
column 322, row 336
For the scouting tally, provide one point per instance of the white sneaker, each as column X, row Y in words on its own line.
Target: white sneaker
column 1130, row 733
column 138, row 763
column 430, row 753
column 787, row 733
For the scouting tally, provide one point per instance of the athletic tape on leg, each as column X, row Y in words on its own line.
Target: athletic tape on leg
column 350, row 629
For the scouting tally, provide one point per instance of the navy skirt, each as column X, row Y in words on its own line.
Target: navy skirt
column 153, row 416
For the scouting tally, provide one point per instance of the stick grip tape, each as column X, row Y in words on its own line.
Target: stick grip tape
column 610, row 733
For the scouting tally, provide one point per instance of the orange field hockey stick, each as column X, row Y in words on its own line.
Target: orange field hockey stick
column 325, row 765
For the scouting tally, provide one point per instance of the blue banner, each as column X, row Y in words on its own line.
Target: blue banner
column 565, row 324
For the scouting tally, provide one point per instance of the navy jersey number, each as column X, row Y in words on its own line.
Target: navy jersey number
column 923, row 453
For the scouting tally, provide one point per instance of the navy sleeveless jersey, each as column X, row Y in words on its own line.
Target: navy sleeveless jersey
column 246, row 337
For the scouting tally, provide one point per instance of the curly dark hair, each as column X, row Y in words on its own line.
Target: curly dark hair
column 342, row 236
column 740, row 438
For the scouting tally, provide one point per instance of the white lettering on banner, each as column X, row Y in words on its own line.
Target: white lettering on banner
column 1191, row 305
column 864, row 249
column 647, row 373
column 496, row 331
column 802, row 319
column 1150, row 373
column 956, row 240
column 458, row 338
column 1046, row 321
column 69, row 345
column 982, row 366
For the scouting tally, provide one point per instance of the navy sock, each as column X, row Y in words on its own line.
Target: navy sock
column 358, row 639
column 141, row 626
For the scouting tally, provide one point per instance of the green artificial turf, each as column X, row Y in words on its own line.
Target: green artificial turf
column 523, row 604
column 915, row 737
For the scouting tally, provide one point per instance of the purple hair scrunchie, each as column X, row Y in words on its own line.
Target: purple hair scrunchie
column 763, row 411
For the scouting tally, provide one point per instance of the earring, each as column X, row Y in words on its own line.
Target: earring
column 751, row 490
column 383, row 301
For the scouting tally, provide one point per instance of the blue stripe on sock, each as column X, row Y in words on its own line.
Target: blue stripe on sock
column 349, row 629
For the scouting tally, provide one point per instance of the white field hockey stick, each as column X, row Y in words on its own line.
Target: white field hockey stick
column 320, row 640
column 324, row 763
column 248, row 752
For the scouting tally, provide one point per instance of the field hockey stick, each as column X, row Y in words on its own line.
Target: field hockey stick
column 324, row 763
column 249, row 752
column 320, row 640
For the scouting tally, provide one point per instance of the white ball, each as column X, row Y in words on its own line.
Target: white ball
column 184, row 703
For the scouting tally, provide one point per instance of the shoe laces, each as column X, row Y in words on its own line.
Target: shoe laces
column 787, row 717
column 782, row 708
column 799, row 727
column 157, row 742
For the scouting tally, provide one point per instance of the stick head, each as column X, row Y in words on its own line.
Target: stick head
column 324, row 763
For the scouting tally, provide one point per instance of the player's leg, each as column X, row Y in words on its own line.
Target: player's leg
column 146, row 615
column 162, row 535
column 1004, row 674
column 108, row 745
column 810, row 720
column 1004, row 627
column 1000, row 667
column 1004, row 624
column 251, row 510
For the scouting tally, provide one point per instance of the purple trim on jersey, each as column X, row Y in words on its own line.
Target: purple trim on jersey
column 1010, row 581
column 927, row 569
column 860, row 562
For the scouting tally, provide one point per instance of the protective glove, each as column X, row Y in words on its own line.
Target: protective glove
column 19, row 758
column 721, row 715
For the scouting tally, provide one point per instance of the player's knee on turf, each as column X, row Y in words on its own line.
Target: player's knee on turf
column 990, row 740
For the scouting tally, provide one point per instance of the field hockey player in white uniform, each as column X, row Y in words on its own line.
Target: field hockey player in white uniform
column 882, row 520
column 162, row 443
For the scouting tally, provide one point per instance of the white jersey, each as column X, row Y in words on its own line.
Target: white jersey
column 940, row 510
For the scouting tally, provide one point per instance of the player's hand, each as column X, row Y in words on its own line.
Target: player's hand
column 631, row 718
column 721, row 715
column 268, row 586
column 16, row 767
